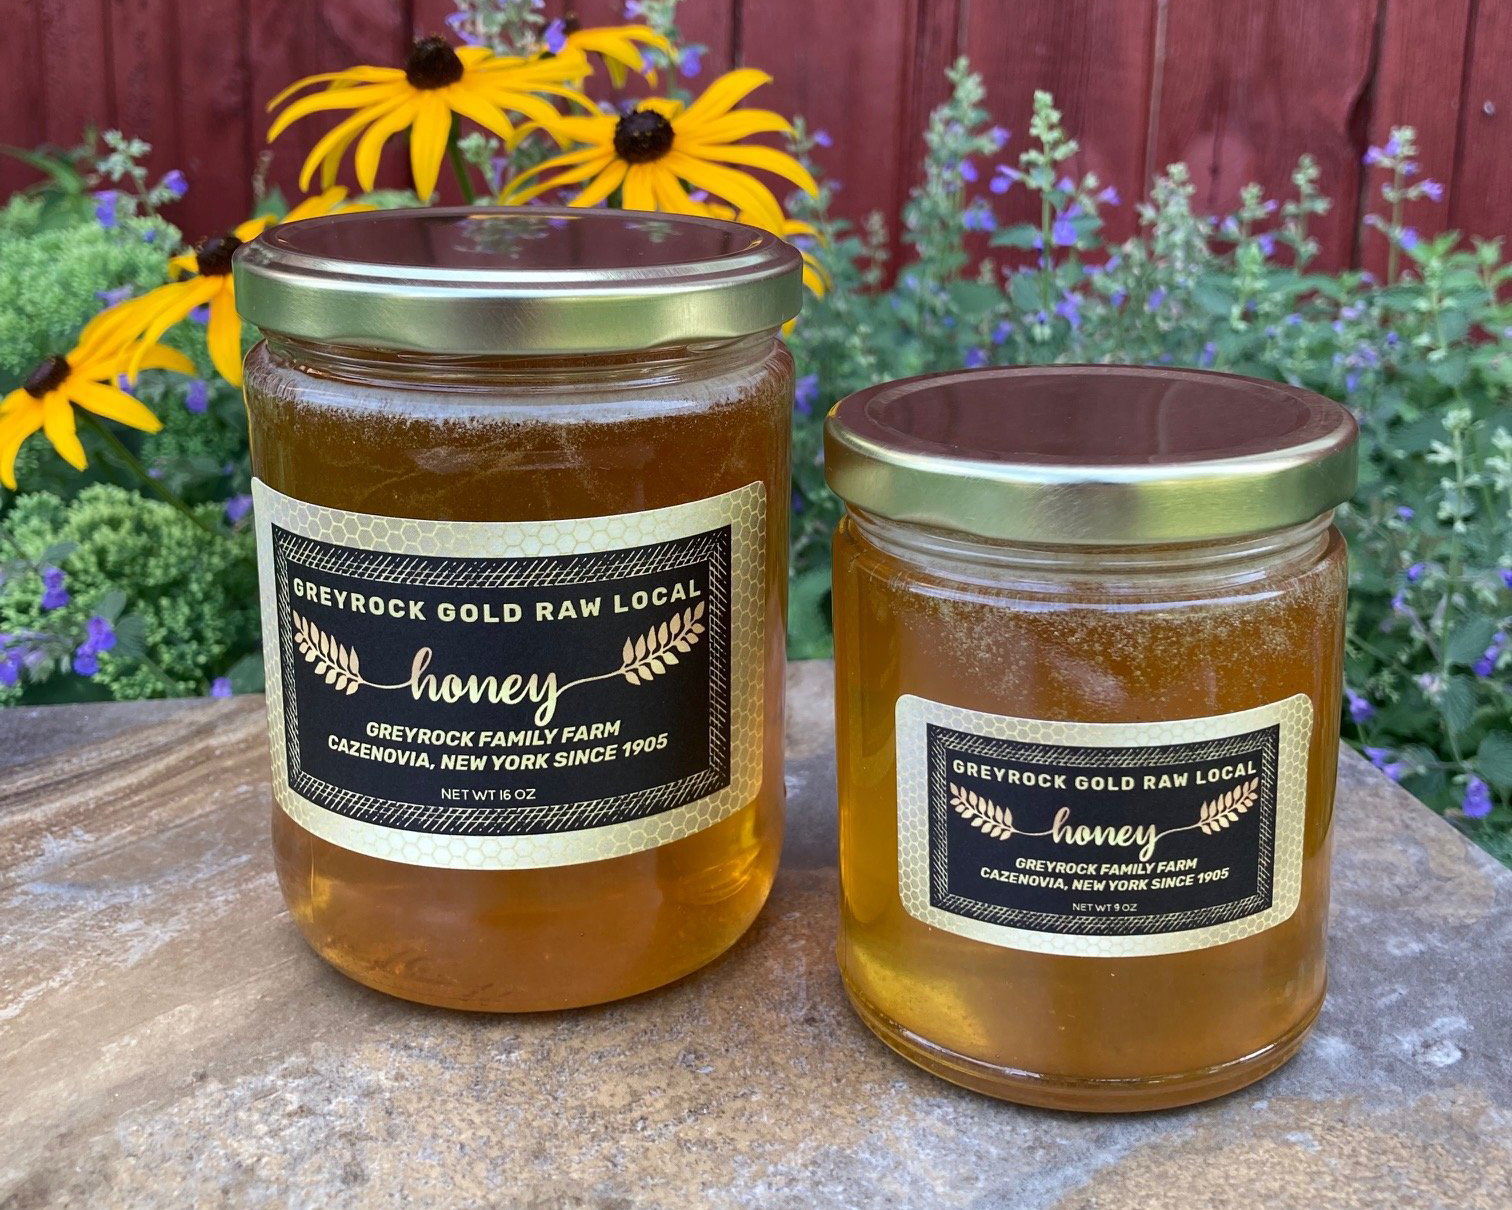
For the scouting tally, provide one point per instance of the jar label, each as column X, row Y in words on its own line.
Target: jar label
column 516, row 694
column 1101, row 839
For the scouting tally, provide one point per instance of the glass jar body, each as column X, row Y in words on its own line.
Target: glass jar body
column 516, row 440
column 1086, row 636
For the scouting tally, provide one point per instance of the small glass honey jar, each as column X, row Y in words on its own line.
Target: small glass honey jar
column 521, row 492
column 1089, row 626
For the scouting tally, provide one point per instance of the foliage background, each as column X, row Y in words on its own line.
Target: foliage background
column 1420, row 354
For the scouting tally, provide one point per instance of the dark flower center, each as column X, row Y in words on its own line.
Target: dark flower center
column 214, row 255
column 571, row 23
column 642, row 135
column 432, row 63
column 46, row 377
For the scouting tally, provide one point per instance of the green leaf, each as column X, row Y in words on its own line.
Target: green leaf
column 1470, row 639
column 54, row 555
column 1494, row 760
column 62, row 172
column 1458, row 703
column 1021, row 235
column 131, row 638
column 1452, row 370
column 246, row 675
column 110, row 605
column 809, row 635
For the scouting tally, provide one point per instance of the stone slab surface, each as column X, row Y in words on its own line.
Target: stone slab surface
column 167, row 1040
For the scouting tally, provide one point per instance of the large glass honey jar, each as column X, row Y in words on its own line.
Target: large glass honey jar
column 1088, row 627
column 521, row 492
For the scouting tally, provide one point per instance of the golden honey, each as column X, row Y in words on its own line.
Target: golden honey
column 1087, row 700
column 524, row 593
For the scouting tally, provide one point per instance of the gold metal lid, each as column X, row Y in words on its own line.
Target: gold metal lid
column 507, row 280
column 1094, row 455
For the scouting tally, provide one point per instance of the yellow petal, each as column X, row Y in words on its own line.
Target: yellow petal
column 481, row 110
column 332, row 145
column 336, row 98
column 581, row 156
column 352, row 75
column 253, row 227
column 225, row 337
column 569, row 176
column 666, row 106
column 639, row 193
column 725, row 93
column 610, row 179
column 370, row 146
column 428, row 143
column 534, row 108
column 741, row 124
column 16, row 425
column 743, row 191
column 753, row 155
column 59, row 425
column 670, row 194
column 315, row 205
column 173, row 309
column 114, row 405
column 116, row 327
column 161, row 357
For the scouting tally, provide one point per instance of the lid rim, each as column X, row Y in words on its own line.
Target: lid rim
column 506, row 310
column 1058, row 500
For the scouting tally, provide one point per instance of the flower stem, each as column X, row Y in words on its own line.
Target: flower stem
column 459, row 166
column 134, row 464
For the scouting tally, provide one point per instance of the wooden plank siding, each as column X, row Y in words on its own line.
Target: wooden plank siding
column 1237, row 91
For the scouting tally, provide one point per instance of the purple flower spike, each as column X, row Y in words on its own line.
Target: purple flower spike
column 691, row 62
column 237, row 508
column 1433, row 190
column 85, row 662
column 1360, row 709
column 1063, row 233
column 976, row 358
column 1477, row 801
column 978, row 218
column 176, row 184
column 1003, row 178
column 822, row 139
column 221, row 687
column 105, row 207
column 197, row 397
column 1415, row 573
column 54, row 595
column 102, row 636
column 968, row 172
column 806, row 394
column 556, row 36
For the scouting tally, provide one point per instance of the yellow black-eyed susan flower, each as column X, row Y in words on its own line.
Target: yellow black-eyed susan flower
column 207, row 283
column 87, row 376
column 617, row 45
column 436, row 82
column 653, row 152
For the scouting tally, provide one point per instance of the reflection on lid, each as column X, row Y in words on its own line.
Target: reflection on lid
column 1088, row 415
column 515, row 240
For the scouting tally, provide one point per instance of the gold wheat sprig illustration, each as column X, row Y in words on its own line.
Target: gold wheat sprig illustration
column 337, row 664
column 981, row 812
column 1218, row 813
column 654, row 652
